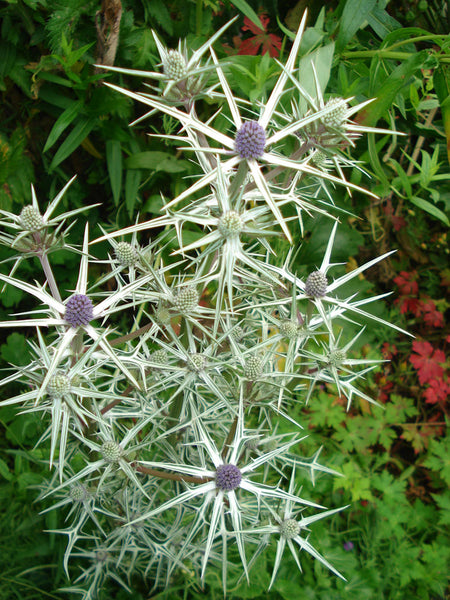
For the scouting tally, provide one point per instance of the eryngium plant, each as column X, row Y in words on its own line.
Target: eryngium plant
column 164, row 440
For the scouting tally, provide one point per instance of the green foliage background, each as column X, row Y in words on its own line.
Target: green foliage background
column 56, row 119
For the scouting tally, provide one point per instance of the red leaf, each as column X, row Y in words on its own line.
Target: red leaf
column 270, row 42
column 437, row 392
column 427, row 361
column 431, row 316
column 407, row 284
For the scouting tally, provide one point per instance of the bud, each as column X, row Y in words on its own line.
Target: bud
column 253, row 367
column 289, row 329
column 78, row 493
column 111, row 451
column 228, row 477
column 316, row 285
column 159, row 357
column 58, row 385
column 162, row 315
column 338, row 115
column 230, row 224
column 31, row 218
column 174, row 65
column 250, row 140
column 336, row 358
column 186, row 299
column 126, row 254
column 289, row 528
column 196, row 362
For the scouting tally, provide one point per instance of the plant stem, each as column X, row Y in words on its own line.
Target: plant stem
column 172, row 476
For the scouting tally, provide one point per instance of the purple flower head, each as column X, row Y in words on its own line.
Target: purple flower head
column 228, row 477
column 79, row 310
column 348, row 546
column 316, row 284
column 250, row 140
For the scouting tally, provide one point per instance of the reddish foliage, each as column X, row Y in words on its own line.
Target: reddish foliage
column 407, row 284
column 431, row 316
column 407, row 305
column 388, row 350
column 398, row 222
column 437, row 392
column 428, row 361
column 270, row 42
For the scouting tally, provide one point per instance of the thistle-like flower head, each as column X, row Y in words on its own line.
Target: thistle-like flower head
column 316, row 284
column 250, row 140
column 228, row 477
column 79, row 310
column 31, row 219
column 126, row 254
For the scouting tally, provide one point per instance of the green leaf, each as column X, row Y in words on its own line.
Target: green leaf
column 382, row 22
column 388, row 90
column 63, row 121
column 132, row 183
column 16, row 350
column 248, row 11
column 355, row 14
column 441, row 80
column 430, row 208
column 4, row 471
column 115, row 168
column 156, row 161
column 159, row 11
column 79, row 133
column 322, row 58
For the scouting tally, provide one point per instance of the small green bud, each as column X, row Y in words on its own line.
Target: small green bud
column 253, row 367
column 338, row 115
column 111, row 451
column 58, row 385
column 159, row 357
column 78, row 493
column 196, row 362
column 186, row 299
column 289, row 528
column 230, row 224
column 289, row 329
column 126, row 254
column 174, row 65
column 336, row 358
column 31, row 218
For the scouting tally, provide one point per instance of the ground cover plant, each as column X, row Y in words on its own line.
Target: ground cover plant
column 229, row 334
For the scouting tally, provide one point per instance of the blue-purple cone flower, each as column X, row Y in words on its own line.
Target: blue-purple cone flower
column 250, row 140
column 79, row 310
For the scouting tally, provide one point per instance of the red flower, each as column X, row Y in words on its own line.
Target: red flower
column 427, row 361
column 270, row 42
